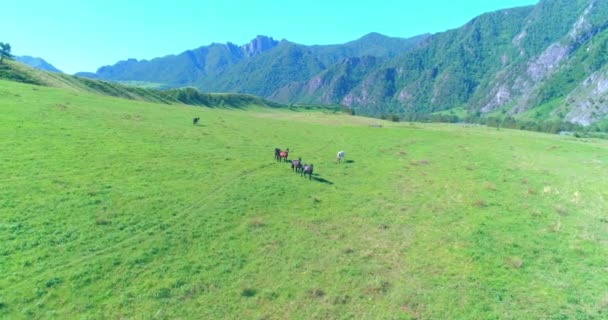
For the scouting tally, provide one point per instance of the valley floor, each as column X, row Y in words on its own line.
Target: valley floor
column 120, row 209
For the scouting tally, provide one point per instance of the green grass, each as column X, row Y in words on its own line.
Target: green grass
column 115, row 208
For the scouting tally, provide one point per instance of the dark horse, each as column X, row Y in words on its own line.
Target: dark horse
column 195, row 120
column 296, row 165
column 277, row 154
column 307, row 170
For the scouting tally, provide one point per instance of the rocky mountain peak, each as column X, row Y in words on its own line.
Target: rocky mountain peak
column 259, row 45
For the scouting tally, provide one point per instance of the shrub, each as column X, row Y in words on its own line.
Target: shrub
column 53, row 282
column 248, row 292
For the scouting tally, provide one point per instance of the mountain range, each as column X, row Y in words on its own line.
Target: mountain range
column 259, row 67
column 542, row 62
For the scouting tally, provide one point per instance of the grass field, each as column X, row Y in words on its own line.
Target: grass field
column 115, row 209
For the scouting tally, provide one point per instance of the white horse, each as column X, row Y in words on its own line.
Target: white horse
column 340, row 156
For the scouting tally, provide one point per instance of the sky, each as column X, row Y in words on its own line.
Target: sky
column 83, row 35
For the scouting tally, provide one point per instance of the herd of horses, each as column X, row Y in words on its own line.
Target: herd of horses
column 297, row 165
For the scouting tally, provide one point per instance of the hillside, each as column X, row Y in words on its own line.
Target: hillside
column 14, row 71
column 329, row 86
column 115, row 208
column 263, row 74
column 516, row 62
column 37, row 63
column 372, row 44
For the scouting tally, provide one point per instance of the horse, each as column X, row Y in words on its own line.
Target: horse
column 296, row 165
column 277, row 154
column 307, row 170
column 340, row 156
column 195, row 120
column 283, row 155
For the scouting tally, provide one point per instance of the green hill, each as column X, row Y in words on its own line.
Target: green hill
column 115, row 208
column 265, row 73
column 37, row 63
column 329, row 86
column 14, row 71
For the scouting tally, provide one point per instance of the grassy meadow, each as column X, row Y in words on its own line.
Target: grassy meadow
column 118, row 209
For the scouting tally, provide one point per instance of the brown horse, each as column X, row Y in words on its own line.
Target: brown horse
column 283, row 154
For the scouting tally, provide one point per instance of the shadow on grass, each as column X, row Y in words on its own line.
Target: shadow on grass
column 319, row 179
column 350, row 161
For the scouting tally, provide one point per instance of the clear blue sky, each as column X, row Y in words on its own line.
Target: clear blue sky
column 83, row 35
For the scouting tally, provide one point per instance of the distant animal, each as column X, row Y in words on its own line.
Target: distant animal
column 307, row 170
column 284, row 154
column 277, row 154
column 296, row 165
column 340, row 156
column 195, row 120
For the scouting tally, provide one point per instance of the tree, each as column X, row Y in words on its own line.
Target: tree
column 5, row 51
